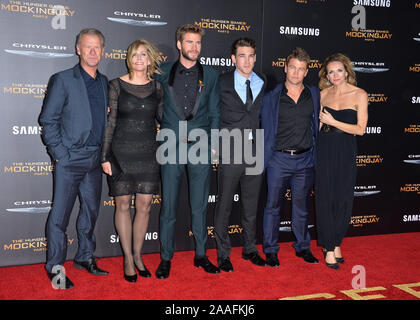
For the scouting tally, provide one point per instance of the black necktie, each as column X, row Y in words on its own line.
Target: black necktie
column 249, row 98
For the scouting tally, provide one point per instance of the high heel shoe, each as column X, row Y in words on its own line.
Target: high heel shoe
column 144, row 273
column 129, row 278
column 340, row 260
column 334, row 266
column 132, row 278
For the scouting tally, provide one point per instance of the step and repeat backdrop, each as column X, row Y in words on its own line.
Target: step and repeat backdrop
column 381, row 37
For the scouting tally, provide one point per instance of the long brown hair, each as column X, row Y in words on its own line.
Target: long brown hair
column 337, row 57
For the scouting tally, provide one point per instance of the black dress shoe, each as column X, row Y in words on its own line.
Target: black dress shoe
column 204, row 262
column 60, row 281
column 307, row 256
column 132, row 278
column 225, row 265
column 163, row 269
column 90, row 266
column 255, row 258
column 272, row 260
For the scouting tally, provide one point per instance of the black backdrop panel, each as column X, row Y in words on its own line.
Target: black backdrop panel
column 35, row 43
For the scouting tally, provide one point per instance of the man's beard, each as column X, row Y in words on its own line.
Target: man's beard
column 188, row 57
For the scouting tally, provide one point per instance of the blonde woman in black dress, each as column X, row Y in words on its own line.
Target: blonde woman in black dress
column 343, row 115
column 129, row 150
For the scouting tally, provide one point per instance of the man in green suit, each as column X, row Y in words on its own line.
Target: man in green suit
column 191, row 110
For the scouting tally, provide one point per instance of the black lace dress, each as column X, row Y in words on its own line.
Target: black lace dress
column 130, row 137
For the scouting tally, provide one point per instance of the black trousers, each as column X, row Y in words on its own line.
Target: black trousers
column 230, row 177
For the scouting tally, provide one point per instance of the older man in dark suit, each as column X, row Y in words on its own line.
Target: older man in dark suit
column 74, row 120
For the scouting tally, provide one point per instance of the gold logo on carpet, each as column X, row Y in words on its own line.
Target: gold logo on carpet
column 360, row 294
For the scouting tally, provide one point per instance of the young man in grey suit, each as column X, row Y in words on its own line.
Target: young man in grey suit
column 74, row 120
column 240, row 104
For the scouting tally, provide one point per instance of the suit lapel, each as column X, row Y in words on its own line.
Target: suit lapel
column 315, row 115
column 83, row 91
column 232, row 88
column 276, row 107
column 105, row 90
column 200, row 88
column 264, row 79
column 172, row 90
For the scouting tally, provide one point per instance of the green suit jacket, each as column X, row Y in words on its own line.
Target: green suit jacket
column 206, row 112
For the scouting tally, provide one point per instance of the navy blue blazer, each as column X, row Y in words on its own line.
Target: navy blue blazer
column 66, row 118
column 270, row 115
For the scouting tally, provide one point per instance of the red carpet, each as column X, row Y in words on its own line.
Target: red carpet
column 391, row 263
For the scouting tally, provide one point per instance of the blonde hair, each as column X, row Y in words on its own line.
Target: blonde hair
column 337, row 57
column 152, row 53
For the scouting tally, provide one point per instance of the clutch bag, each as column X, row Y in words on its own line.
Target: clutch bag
column 117, row 171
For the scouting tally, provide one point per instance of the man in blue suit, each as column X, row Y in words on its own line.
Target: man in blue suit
column 289, row 117
column 74, row 120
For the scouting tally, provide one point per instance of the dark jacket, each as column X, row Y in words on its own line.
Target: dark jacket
column 269, row 119
column 66, row 118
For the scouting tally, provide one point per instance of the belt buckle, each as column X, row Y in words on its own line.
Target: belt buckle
column 292, row 152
